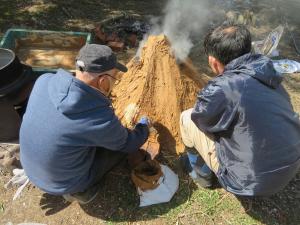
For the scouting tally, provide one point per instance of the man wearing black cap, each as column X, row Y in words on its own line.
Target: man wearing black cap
column 70, row 136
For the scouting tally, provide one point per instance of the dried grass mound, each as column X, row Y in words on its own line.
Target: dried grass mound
column 158, row 87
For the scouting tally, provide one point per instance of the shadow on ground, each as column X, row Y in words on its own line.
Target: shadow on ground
column 69, row 15
column 282, row 208
column 51, row 204
column 119, row 201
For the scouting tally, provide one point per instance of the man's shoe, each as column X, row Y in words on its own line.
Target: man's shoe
column 200, row 174
column 202, row 179
column 83, row 197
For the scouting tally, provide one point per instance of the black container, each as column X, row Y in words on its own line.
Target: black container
column 16, row 81
column 24, row 78
column 10, row 68
column 13, row 74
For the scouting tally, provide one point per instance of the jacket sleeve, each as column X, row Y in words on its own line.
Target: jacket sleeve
column 114, row 136
column 213, row 112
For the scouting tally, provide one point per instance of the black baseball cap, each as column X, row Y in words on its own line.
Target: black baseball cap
column 96, row 58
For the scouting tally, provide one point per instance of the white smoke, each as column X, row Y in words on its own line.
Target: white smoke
column 182, row 20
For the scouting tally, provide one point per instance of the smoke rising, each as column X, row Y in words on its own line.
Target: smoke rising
column 181, row 21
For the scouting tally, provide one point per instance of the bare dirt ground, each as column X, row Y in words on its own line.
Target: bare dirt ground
column 118, row 201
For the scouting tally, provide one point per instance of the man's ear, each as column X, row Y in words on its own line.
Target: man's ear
column 212, row 63
column 215, row 64
column 103, row 84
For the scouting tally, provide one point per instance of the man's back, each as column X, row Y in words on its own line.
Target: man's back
column 46, row 137
column 64, row 122
column 257, row 133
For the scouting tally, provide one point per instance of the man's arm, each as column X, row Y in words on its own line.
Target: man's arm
column 213, row 112
column 114, row 136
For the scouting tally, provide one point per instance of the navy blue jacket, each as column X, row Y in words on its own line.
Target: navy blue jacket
column 64, row 122
column 256, row 131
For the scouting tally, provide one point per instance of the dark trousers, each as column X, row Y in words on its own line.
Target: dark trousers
column 105, row 161
column 10, row 122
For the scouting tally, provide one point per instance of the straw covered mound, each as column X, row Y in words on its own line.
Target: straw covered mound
column 156, row 86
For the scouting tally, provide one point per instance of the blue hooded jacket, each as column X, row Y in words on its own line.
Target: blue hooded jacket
column 65, row 121
column 256, row 131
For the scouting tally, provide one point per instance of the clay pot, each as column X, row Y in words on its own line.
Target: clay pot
column 136, row 158
column 146, row 175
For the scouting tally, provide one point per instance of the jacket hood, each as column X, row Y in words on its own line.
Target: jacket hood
column 257, row 66
column 72, row 96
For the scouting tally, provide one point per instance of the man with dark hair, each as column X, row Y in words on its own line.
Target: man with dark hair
column 70, row 136
column 243, row 124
